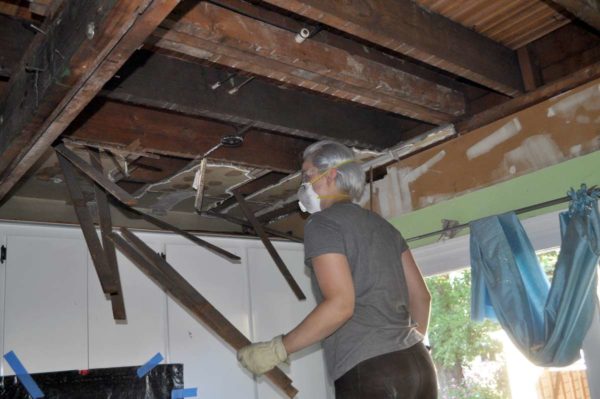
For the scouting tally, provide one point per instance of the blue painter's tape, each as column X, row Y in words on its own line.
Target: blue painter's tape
column 150, row 364
column 30, row 385
column 184, row 393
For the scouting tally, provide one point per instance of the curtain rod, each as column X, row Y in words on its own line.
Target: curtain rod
column 517, row 211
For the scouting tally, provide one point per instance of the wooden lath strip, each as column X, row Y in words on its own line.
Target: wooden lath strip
column 285, row 272
column 116, row 298
column 222, row 36
column 101, row 180
column 165, row 276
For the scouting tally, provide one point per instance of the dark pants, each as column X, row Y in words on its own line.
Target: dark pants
column 405, row 374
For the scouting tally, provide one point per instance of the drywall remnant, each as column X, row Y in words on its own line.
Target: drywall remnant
column 394, row 190
column 504, row 133
column 588, row 99
column 167, row 201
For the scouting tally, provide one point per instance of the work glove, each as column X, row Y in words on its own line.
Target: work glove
column 263, row 356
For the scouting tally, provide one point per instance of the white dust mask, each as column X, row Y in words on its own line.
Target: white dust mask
column 308, row 199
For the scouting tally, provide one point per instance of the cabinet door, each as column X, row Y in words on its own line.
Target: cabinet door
column 134, row 342
column 45, row 301
column 276, row 310
column 209, row 363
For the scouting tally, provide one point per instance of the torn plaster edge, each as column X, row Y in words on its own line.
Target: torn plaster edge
column 432, row 136
column 358, row 153
column 504, row 133
column 195, row 164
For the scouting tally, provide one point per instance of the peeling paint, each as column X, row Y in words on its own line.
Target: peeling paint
column 499, row 136
column 583, row 119
column 534, row 153
column 575, row 150
column 588, row 99
column 395, row 195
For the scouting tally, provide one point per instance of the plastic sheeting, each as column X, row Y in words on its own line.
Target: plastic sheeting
column 113, row 383
column 547, row 323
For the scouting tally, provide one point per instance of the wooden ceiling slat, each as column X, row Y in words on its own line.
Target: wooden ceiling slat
column 500, row 20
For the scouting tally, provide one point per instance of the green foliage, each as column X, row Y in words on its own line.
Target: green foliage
column 454, row 338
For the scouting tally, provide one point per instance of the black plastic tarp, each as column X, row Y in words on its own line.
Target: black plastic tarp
column 111, row 383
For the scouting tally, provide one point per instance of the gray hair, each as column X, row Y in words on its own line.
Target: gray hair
column 327, row 154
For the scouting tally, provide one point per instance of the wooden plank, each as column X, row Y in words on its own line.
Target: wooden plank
column 95, row 175
column 82, row 46
column 184, row 87
column 116, row 298
column 165, row 276
column 213, row 33
column 586, row 10
column 105, row 274
column 527, row 100
column 267, row 243
column 167, row 133
column 405, row 27
column 204, row 244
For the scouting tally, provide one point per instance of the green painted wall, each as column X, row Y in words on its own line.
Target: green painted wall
column 540, row 186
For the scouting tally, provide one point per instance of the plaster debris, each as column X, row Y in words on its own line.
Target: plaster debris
column 576, row 150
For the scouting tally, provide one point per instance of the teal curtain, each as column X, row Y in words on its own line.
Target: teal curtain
column 546, row 322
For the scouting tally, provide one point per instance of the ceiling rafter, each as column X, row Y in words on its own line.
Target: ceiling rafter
column 219, row 35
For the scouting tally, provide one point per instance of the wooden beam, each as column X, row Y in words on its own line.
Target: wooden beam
column 517, row 104
column 405, row 27
column 213, row 33
column 167, row 133
column 104, row 271
column 116, row 298
column 532, row 77
column 166, row 277
column 586, row 10
column 82, row 46
column 267, row 243
column 96, row 176
column 185, row 87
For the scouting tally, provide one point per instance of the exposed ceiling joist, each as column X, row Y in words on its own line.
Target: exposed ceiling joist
column 586, row 10
column 185, row 87
column 82, row 46
column 14, row 37
column 167, row 133
column 404, row 27
column 219, row 35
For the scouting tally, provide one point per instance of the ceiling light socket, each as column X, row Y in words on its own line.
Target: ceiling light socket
column 232, row 141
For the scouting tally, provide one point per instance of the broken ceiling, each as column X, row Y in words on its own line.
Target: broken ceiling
column 158, row 86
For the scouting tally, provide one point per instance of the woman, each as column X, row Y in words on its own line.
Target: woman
column 373, row 304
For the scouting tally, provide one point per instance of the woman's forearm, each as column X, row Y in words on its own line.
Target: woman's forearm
column 323, row 321
column 419, row 312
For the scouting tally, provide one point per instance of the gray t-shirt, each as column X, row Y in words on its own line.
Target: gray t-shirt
column 381, row 322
